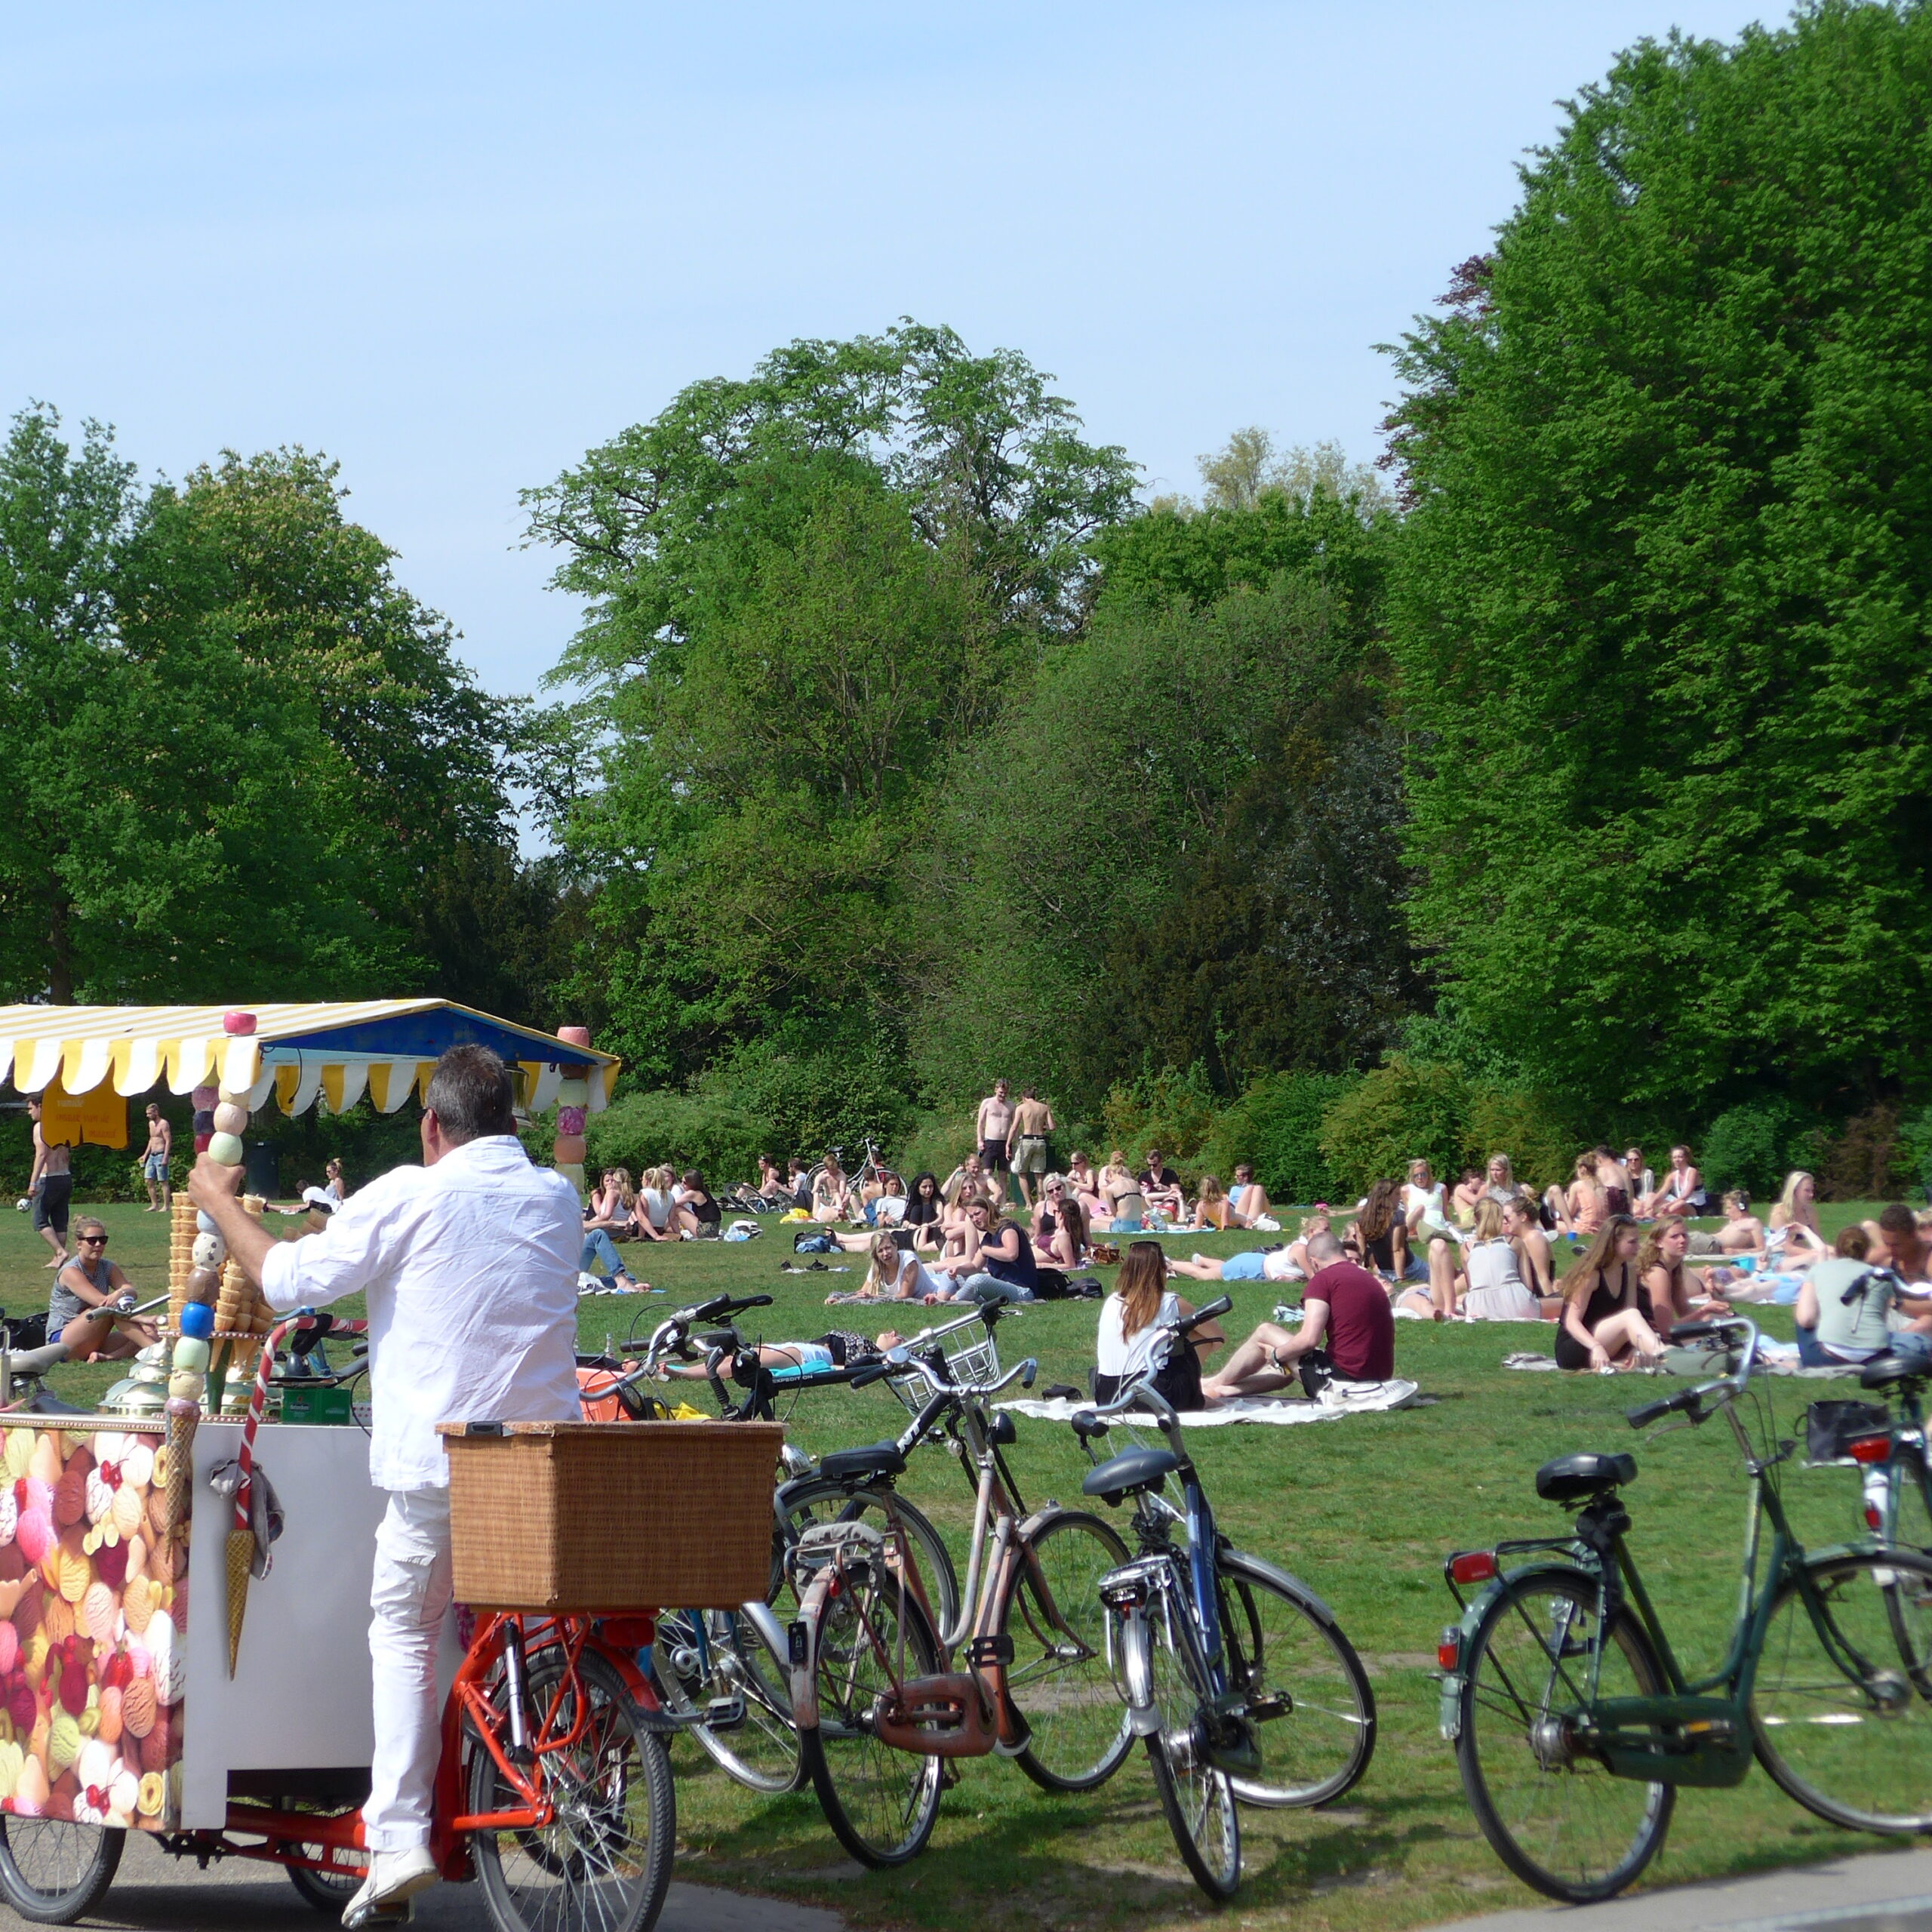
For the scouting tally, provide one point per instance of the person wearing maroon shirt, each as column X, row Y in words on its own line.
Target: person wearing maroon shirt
column 1347, row 1335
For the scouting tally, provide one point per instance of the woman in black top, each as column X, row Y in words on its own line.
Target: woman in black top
column 924, row 1204
column 1602, row 1324
column 695, row 1201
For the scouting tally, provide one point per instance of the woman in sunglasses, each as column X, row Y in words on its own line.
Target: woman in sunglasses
column 87, row 1311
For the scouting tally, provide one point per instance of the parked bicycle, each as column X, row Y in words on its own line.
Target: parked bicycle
column 1238, row 1678
column 1574, row 1723
column 877, row 1709
column 1888, row 1445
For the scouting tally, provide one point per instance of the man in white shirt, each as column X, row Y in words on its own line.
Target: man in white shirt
column 468, row 1263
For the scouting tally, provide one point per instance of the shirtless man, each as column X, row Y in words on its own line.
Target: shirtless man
column 1026, row 1139
column 51, row 1186
column 154, row 1162
column 994, row 1126
column 1524, row 1226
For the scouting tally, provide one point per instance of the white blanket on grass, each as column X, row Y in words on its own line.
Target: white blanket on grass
column 1773, row 1358
column 1337, row 1400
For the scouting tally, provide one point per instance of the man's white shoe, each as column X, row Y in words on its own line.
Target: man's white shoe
column 394, row 1879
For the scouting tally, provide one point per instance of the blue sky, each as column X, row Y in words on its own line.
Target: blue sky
column 453, row 246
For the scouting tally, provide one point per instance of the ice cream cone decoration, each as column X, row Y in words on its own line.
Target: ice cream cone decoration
column 241, row 1552
column 573, row 1097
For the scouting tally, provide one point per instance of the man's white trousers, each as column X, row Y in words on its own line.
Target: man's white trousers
column 410, row 1597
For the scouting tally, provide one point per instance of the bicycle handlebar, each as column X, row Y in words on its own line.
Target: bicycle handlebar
column 917, row 1365
column 1690, row 1401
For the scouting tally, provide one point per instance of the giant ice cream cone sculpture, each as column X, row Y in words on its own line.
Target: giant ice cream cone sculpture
column 573, row 1097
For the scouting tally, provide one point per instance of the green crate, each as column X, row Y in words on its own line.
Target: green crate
column 316, row 1405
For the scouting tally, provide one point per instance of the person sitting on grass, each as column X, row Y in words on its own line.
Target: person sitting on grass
column 1126, row 1206
column 832, row 1195
column 611, row 1206
column 1742, row 1233
column 699, row 1215
column 1083, row 1184
column 1666, row 1282
column 967, row 1180
column 771, row 1184
column 925, row 1203
column 896, row 1274
column 1212, row 1208
column 1534, row 1261
column 87, row 1309
column 1059, row 1228
column 999, row 1265
column 1427, row 1232
column 1464, row 1195
column 654, row 1212
column 1378, row 1236
column 1491, row 1284
column 1844, row 1307
column 1500, row 1181
column 600, row 1257
column 1681, row 1194
column 1159, row 1187
column 1250, row 1197
column 1796, row 1207
column 1132, row 1329
column 1602, row 1325
column 1586, row 1207
column 1347, row 1335
column 1896, row 1244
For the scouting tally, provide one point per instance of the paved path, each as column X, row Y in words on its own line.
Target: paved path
column 153, row 1892
column 1881, row 1892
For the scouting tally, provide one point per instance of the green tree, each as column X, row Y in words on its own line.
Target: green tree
column 1661, row 606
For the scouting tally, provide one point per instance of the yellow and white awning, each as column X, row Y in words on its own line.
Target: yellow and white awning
column 298, row 1051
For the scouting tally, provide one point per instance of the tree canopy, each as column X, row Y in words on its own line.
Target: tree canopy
column 1661, row 604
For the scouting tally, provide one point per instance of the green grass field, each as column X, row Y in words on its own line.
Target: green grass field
column 1362, row 1509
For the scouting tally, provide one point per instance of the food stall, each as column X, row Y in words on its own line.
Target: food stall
column 134, row 1691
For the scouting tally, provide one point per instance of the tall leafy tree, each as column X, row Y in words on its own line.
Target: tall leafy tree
column 1662, row 610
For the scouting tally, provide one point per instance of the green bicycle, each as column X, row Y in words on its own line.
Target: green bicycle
column 1574, row 1724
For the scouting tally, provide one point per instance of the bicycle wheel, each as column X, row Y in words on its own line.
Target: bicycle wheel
column 880, row 1803
column 602, row 1864
column 703, row 1654
column 1911, row 1525
column 1556, row 1816
column 833, row 1503
column 1841, row 1708
column 52, row 1871
column 1198, row 1799
column 1061, row 1679
column 1308, row 1696
column 325, row 1890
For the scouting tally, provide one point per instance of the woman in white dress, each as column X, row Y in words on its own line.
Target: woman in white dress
column 1494, row 1290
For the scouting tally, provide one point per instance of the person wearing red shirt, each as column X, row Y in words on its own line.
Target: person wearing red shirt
column 1347, row 1335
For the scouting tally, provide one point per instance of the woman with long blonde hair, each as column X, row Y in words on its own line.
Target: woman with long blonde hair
column 1602, row 1324
column 1212, row 1208
column 1130, row 1331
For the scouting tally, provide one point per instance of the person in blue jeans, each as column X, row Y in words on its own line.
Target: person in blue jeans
column 1844, row 1306
column 1000, row 1266
column 600, row 1256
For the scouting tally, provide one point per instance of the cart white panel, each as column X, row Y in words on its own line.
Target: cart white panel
column 299, row 1698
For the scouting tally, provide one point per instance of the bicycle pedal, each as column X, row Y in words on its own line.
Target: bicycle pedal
column 983, row 1653
column 724, row 1714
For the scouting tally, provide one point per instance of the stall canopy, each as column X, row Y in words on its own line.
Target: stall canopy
column 334, row 1050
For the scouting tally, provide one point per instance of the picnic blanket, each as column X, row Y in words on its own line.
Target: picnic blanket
column 1337, row 1400
column 1773, row 1358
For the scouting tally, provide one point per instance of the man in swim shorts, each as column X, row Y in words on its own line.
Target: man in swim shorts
column 1026, row 1140
column 154, row 1162
column 51, row 1187
column 995, row 1128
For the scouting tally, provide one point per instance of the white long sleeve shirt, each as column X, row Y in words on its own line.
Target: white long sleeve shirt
column 470, row 1269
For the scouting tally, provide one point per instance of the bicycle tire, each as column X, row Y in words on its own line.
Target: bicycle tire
column 53, row 1872
column 1197, row 1799
column 728, row 1656
column 1061, row 1679
column 604, row 1864
column 1817, row 1730
column 323, row 1891
column 823, row 1501
column 1285, row 1648
column 881, row 1803
column 1568, row 1829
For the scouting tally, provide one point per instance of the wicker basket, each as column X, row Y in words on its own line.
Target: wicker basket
column 611, row 1516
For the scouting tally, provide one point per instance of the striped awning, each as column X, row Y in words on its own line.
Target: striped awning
column 299, row 1050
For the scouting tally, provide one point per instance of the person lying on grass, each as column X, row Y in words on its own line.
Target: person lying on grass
column 896, row 1274
column 838, row 1348
column 1347, row 1335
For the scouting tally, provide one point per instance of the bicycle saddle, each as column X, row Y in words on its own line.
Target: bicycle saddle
column 1125, row 1474
column 875, row 1459
column 1884, row 1371
column 1571, row 1478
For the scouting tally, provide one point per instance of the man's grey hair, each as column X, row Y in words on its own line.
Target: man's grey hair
column 471, row 1095
column 1323, row 1247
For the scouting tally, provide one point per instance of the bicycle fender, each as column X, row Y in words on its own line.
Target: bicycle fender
column 1237, row 1560
column 800, row 1648
column 1449, row 1709
column 764, row 1620
column 1143, row 1715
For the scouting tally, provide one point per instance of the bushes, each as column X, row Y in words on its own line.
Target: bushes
column 641, row 1130
column 1870, row 1159
column 807, row 1101
column 1173, row 1111
column 1276, row 1124
column 1755, row 1144
column 1406, row 1110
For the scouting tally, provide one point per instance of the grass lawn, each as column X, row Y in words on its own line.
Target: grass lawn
column 1362, row 1509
